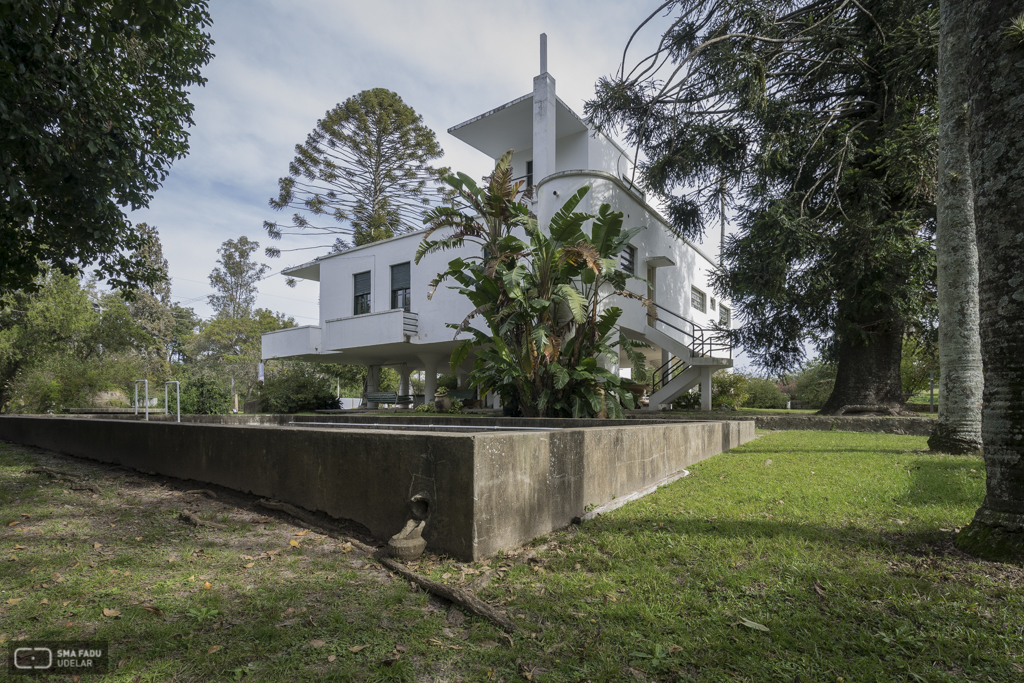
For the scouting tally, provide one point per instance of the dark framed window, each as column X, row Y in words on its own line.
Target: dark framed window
column 699, row 300
column 627, row 259
column 361, row 303
column 529, row 174
column 400, row 286
column 724, row 316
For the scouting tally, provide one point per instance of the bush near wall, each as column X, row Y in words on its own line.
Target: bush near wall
column 297, row 389
column 764, row 393
column 203, row 395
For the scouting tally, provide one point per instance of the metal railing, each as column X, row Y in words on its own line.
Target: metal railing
column 664, row 374
column 702, row 342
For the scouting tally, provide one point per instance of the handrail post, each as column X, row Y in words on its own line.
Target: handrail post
column 145, row 385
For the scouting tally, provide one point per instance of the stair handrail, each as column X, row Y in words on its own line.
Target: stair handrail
column 703, row 342
column 664, row 374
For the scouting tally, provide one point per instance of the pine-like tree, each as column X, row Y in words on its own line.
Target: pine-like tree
column 363, row 174
column 815, row 122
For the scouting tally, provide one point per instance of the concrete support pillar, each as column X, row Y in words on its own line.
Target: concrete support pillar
column 665, row 358
column 403, row 385
column 372, row 382
column 430, row 363
column 705, row 387
column 543, row 126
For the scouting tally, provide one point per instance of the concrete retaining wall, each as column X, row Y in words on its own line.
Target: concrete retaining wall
column 913, row 426
column 488, row 491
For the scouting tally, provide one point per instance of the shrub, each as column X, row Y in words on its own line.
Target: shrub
column 764, row 393
column 814, row 383
column 727, row 389
column 296, row 389
column 203, row 395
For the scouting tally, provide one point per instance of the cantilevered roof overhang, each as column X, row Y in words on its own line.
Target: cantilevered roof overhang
column 510, row 126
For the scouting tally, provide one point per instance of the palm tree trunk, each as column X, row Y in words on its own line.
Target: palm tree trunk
column 997, row 147
column 958, row 429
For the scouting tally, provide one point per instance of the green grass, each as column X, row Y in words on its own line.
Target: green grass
column 839, row 544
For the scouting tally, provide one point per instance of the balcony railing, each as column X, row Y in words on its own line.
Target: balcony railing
column 702, row 342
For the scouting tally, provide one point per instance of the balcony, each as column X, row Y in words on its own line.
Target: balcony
column 371, row 329
column 293, row 341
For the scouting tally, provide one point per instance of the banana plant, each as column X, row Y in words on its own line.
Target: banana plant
column 544, row 300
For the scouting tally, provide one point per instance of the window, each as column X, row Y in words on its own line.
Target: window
column 724, row 317
column 698, row 300
column 712, row 303
column 529, row 174
column 627, row 259
column 400, row 286
column 362, row 293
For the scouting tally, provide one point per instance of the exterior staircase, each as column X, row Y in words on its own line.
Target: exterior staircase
column 696, row 354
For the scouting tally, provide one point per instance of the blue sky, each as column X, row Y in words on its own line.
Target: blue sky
column 280, row 66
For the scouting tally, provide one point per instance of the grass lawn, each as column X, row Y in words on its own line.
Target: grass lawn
column 801, row 556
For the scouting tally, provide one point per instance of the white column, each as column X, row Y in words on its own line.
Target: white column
column 372, row 382
column 430, row 363
column 705, row 387
column 544, row 103
column 403, row 385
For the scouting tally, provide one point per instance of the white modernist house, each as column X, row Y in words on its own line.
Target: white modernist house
column 374, row 309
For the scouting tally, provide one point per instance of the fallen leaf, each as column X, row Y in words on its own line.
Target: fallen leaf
column 753, row 624
column 26, row 515
column 44, row 601
column 207, row 586
column 250, row 565
column 446, row 575
column 358, row 648
column 400, row 648
column 111, row 612
column 14, row 524
column 302, row 533
column 14, row 601
column 263, row 520
column 293, row 543
column 819, row 589
column 346, row 548
column 138, row 538
column 153, row 609
column 332, row 658
column 213, row 648
column 290, row 610
column 20, row 547
column 170, row 560
column 317, row 643
column 97, row 545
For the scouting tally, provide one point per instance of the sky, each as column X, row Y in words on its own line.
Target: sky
column 279, row 66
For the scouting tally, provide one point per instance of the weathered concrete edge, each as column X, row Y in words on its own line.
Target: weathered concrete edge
column 619, row 502
column 912, row 426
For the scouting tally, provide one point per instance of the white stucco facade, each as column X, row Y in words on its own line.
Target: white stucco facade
column 559, row 153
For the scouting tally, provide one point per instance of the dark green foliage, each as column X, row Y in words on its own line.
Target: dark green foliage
column 764, row 393
column 93, row 110
column 815, row 123
column 364, row 170
column 814, row 383
column 203, row 395
column 299, row 387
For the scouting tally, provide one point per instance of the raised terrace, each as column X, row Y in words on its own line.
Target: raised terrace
column 482, row 484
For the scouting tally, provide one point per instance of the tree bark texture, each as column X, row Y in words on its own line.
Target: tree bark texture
column 958, row 429
column 996, row 120
column 869, row 374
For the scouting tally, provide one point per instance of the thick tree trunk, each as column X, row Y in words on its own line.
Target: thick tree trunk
column 996, row 119
column 958, row 429
column 868, row 375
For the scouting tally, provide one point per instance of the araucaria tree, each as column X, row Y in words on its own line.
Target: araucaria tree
column 363, row 174
column 995, row 51
column 544, row 301
column 814, row 121
column 93, row 110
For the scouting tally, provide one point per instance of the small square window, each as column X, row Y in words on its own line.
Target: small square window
column 627, row 259
column 724, row 316
column 698, row 300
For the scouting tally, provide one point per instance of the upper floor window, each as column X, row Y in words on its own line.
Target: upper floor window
column 400, row 286
column 529, row 174
column 627, row 259
column 724, row 316
column 698, row 300
column 361, row 303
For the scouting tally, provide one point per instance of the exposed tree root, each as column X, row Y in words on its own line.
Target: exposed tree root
column 460, row 596
column 203, row 492
column 56, row 474
column 195, row 521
